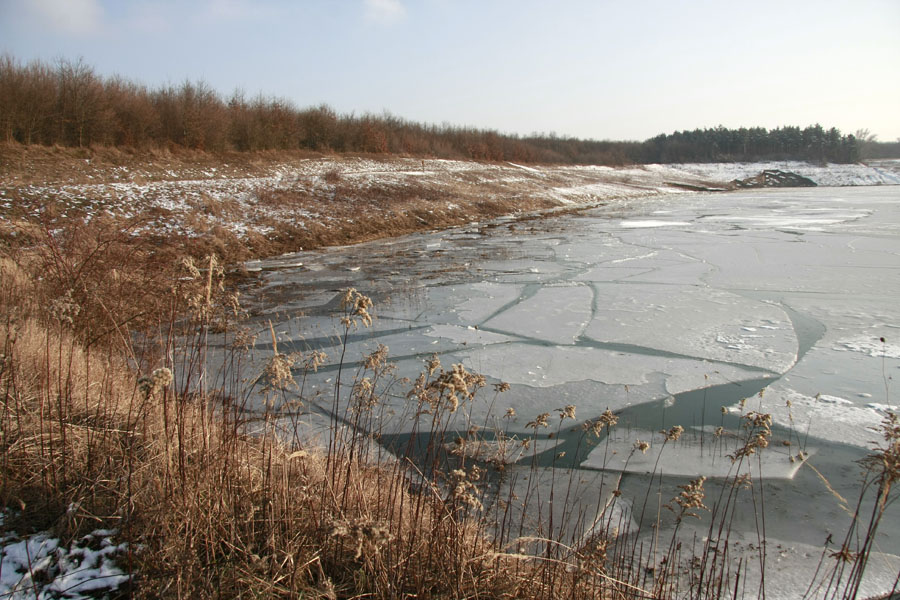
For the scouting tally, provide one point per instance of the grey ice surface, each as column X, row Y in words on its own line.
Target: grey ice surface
column 665, row 310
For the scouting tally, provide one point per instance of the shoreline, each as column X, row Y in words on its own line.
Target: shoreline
column 261, row 206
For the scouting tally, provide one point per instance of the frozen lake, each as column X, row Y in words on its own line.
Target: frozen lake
column 664, row 310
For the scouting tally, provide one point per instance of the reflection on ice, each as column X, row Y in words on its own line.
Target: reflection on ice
column 790, row 220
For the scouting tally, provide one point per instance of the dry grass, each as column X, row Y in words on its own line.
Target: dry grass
column 115, row 415
column 335, row 207
column 36, row 164
column 209, row 508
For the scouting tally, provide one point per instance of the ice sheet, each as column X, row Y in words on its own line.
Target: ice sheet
column 555, row 314
column 546, row 366
column 649, row 223
column 695, row 453
column 481, row 300
column 697, row 321
column 824, row 416
column 584, row 505
column 580, row 310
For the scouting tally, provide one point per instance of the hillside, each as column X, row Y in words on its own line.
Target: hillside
column 245, row 205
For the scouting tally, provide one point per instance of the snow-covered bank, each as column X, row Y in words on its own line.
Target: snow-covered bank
column 885, row 172
column 327, row 196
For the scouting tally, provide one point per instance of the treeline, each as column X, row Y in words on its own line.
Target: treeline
column 67, row 103
column 875, row 149
column 814, row 144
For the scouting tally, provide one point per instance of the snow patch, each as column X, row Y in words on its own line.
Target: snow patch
column 870, row 346
column 37, row 566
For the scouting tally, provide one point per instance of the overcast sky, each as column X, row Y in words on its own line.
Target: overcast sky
column 624, row 69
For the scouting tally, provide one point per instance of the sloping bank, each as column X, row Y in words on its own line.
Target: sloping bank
column 278, row 206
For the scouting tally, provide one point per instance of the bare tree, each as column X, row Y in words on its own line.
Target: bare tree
column 865, row 140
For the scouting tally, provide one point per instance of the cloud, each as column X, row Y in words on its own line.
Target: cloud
column 70, row 16
column 385, row 11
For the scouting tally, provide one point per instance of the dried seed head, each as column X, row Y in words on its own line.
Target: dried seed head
column 315, row 359
column 188, row 263
column 363, row 386
column 161, row 377
column 539, row 421
column 277, row 372
column 158, row 380
column 434, row 363
column 65, row 308
column 366, row 535
column 464, row 490
column 454, row 385
column 356, row 306
column 691, row 497
column 243, row 339
column 608, row 418
column 743, row 480
column 642, row 446
column 568, row 412
column 377, row 359
column 673, row 433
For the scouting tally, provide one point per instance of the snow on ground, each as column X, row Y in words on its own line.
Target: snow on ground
column 832, row 175
column 38, row 567
column 300, row 193
column 870, row 346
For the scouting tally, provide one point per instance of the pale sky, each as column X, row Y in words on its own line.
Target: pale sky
column 624, row 69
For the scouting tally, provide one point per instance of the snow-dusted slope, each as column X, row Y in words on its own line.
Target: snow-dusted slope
column 334, row 194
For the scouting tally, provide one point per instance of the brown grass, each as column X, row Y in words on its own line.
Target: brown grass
column 300, row 215
column 209, row 509
column 198, row 474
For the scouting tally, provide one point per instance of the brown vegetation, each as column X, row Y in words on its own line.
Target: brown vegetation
column 69, row 104
column 257, row 204
column 114, row 416
column 116, row 412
